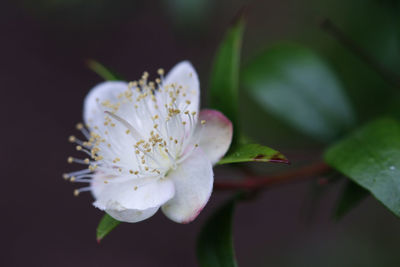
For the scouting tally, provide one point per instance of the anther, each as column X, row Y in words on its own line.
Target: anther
column 79, row 126
column 71, row 139
column 70, row 159
column 76, row 192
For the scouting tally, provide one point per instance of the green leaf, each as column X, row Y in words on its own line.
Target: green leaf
column 215, row 242
column 371, row 158
column 102, row 71
column 295, row 84
column 253, row 152
column 351, row 196
column 106, row 225
column 224, row 82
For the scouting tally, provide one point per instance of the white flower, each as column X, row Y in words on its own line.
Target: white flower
column 149, row 146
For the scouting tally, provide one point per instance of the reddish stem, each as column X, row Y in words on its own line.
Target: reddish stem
column 257, row 182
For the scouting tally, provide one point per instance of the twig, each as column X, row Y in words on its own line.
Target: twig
column 258, row 182
column 342, row 38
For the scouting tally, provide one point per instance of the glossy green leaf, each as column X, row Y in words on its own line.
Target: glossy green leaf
column 371, row 158
column 102, row 71
column 215, row 242
column 296, row 85
column 350, row 197
column 106, row 225
column 253, row 152
column 224, row 82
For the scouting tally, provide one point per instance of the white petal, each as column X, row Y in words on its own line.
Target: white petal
column 193, row 181
column 216, row 134
column 131, row 215
column 93, row 113
column 126, row 199
column 98, row 184
column 183, row 74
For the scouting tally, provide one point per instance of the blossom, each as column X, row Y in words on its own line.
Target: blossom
column 148, row 146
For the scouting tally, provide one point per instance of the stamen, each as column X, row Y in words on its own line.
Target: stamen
column 163, row 129
column 80, row 190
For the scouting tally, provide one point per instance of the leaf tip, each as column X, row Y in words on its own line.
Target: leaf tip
column 240, row 15
column 89, row 62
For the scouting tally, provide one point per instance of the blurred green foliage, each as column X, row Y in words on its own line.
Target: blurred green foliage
column 373, row 26
column 224, row 84
column 215, row 242
column 296, row 85
column 371, row 158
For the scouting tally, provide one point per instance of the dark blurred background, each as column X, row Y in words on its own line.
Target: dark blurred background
column 43, row 48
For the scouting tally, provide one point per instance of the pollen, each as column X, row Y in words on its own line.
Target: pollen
column 160, row 72
column 79, row 126
column 72, row 139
